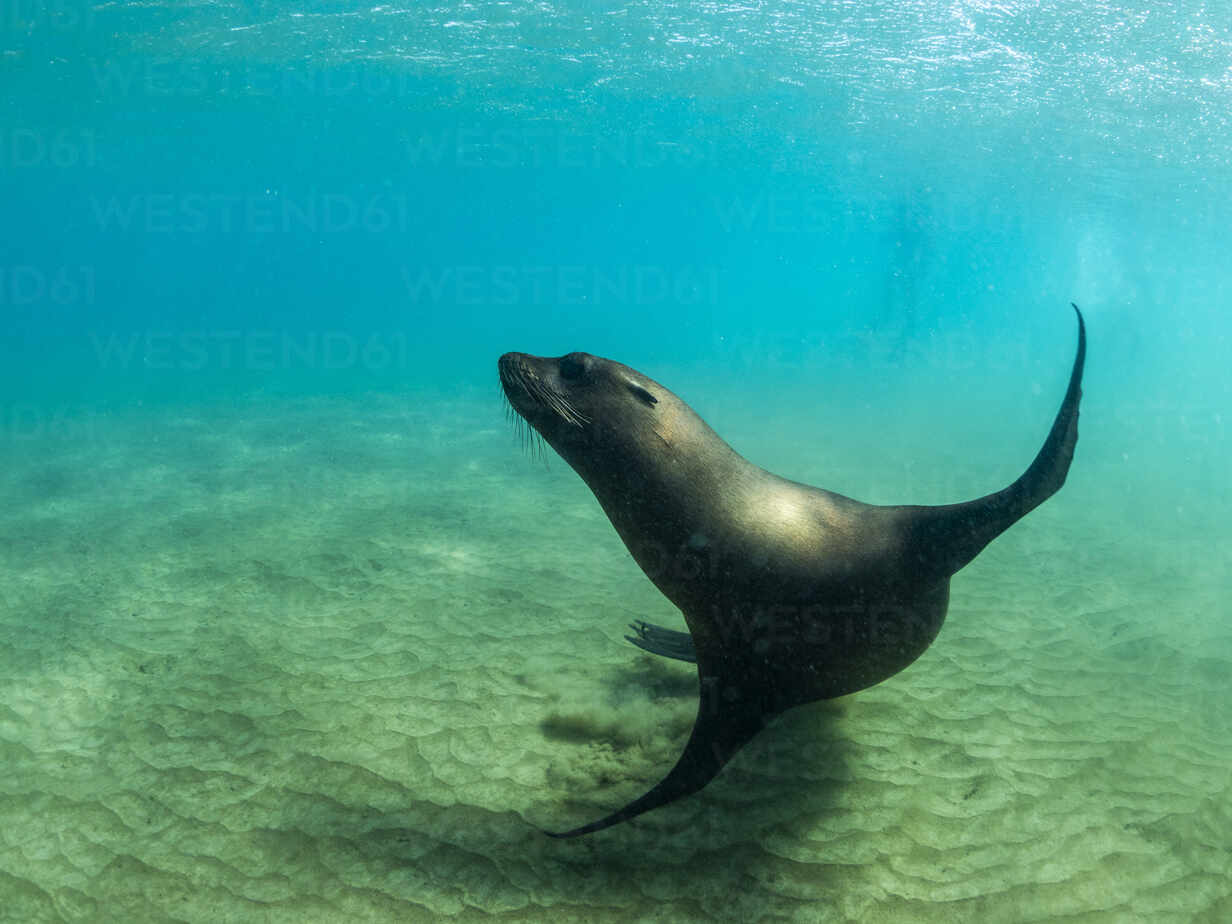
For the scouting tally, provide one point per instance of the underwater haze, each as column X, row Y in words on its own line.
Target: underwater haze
column 292, row 627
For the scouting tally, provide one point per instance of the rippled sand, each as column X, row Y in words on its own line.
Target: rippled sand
column 338, row 661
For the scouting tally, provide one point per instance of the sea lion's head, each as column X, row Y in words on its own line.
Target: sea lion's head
column 601, row 416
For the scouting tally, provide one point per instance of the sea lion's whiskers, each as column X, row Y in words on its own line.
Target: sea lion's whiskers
column 528, row 437
column 517, row 377
column 556, row 402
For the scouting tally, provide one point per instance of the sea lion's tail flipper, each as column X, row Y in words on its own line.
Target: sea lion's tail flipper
column 721, row 729
column 666, row 642
column 949, row 537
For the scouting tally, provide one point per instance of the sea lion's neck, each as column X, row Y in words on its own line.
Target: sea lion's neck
column 671, row 501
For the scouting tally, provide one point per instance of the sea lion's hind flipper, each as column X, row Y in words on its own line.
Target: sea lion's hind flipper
column 723, row 726
column 947, row 538
column 666, row 642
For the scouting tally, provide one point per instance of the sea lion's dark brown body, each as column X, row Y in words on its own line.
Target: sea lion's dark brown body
column 791, row 593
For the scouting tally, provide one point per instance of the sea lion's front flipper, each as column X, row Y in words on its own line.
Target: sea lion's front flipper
column 724, row 724
column 666, row 642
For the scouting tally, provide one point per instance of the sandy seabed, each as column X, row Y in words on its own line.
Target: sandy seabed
column 339, row 660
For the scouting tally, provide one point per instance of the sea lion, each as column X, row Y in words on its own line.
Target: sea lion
column 791, row 593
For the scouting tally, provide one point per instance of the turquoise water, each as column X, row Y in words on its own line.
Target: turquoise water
column 291, row 628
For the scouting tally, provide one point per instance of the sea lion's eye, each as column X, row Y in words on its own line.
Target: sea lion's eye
column 573, row 366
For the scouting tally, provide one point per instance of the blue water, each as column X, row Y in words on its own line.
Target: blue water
column 820, row 204
column 561, row 176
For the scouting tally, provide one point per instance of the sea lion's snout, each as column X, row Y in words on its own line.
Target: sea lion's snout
column 510, row 364
column 533, row 386
column 513, row 372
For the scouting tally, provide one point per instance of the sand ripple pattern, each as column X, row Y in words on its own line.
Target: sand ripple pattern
column 330, row 663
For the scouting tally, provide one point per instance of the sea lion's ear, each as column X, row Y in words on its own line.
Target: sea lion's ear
column 643, row 394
